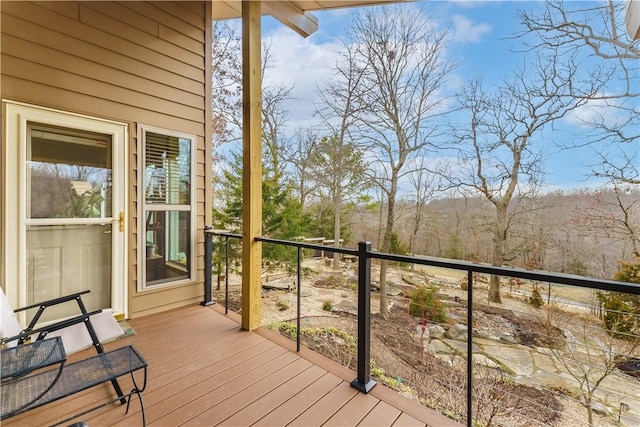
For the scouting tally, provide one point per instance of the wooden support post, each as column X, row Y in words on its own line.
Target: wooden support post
column 251, row 165
column 208, row 124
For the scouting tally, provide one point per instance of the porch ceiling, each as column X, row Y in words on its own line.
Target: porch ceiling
column 295, row 14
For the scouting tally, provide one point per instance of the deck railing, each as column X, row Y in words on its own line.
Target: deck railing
column 629, row 406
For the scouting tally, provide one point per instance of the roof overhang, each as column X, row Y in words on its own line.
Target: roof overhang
column 632, row 19
column 295, row 14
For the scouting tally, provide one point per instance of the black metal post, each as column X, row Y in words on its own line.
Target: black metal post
column 299, row 302
column 208, row 263
column 226, row 274
column 469, row 347
column 364, row 383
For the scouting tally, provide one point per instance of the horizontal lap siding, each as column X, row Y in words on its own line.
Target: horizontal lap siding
column 134, row 62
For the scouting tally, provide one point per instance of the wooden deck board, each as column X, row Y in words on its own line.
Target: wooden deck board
column 265, row 404
column 201, row 389
column 383, row 415
column 353, row 411
column 324, row 408
column 405, row 420
column 203, row 402
column 289, row 410
column 159, row 401
column 250, row 394
column 204, row 370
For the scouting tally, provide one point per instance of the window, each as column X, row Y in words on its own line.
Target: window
column 168, row 207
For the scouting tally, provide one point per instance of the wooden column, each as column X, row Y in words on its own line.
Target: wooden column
column 251, row 165
column 208, row 125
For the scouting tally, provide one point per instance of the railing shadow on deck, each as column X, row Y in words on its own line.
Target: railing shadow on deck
column 576, row 360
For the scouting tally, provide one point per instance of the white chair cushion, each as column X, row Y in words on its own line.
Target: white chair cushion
column 106, row 326
column 76, row 337
column 9, row 325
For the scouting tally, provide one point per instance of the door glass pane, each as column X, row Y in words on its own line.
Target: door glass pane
column 69, row 176
column 69, row 173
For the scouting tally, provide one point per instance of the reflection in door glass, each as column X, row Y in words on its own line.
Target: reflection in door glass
column 69, row 173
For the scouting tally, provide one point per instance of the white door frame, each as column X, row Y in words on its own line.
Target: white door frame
column 16, row 116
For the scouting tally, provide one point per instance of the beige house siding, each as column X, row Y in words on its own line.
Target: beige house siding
column 133, row 62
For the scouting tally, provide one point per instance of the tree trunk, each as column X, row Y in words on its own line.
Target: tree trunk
column 498, row 253
column 384, row 305
column 336, row 227
column 386, row 246
column 494, row 289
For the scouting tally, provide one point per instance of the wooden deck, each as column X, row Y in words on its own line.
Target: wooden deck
column 204, row 370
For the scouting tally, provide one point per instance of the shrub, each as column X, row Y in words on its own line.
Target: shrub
column 628, row 272
column 578, row 267
column 536, row 298
column 622, row 311
column 426, row 303
column 398, row 248
column 621, row 314
column 327, row 305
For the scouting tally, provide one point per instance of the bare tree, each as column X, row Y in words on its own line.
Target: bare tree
column 226, row 87
column 227, row 100
column 274, row 119
column 500, row 153
column 425, row 184
column 342, row 162
column 226, row 96
column 404, row 67
column 587, row 353
column 615, row 214
column 298, row 153
column 596, row 30
column 623, row 176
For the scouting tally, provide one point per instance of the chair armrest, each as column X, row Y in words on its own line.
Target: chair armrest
column 54, row 301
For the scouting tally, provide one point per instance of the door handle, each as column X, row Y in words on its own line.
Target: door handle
column 120, row 221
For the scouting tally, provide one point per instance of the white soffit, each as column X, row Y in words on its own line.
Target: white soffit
column 632, row 18
column 295, row 14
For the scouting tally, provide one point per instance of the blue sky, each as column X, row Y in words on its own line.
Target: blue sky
column 481, row 42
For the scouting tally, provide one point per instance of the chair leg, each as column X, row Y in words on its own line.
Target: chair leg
column 118, row 389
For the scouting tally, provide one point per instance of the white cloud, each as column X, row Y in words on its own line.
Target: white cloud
column 301, row 63
column 594, row 111
column 466, row 31
column 306, row 64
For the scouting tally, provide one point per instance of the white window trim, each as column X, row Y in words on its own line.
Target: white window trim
column 142, row 207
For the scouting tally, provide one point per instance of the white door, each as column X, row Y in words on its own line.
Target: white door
column 65, row 204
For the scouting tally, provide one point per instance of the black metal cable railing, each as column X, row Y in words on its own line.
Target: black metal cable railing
column 364, row 255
